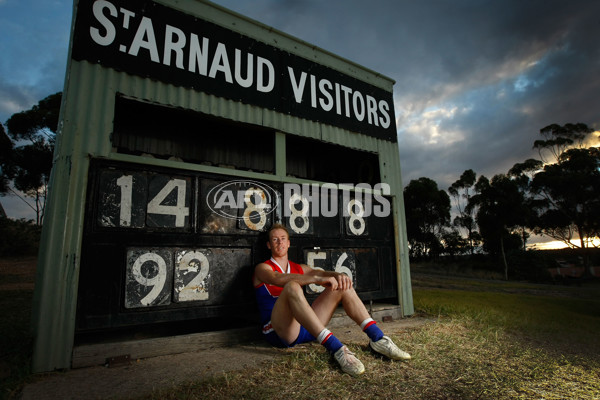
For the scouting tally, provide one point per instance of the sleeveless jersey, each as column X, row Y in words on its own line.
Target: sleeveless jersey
column 267, row 295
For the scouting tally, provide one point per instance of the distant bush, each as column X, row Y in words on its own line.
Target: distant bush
column 19, row 237
column 531, row 265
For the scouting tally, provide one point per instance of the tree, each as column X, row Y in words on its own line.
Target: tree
column 33, row 134
column 567, row 188
column 569, row 192
column 454, row 243
column 500, row 209
column 523, row 174
column 461, row 192
column 557, row 139
column 6, row 168
column 427, row 213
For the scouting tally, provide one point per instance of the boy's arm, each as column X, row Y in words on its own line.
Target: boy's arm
column 343, row 281
column 263, row 273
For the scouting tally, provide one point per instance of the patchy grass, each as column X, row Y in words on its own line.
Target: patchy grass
column 487, row 340
column 482, row 345
column 559, row 320
column 15, row 340
column 16, row 293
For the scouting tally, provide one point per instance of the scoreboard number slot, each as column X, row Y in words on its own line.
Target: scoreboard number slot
column 147, row 273
column 192, row 268
column 142, row 200
column 345, row 262
column 254, row 215
column 298, row 220
column 179, row 210
column 123, row 200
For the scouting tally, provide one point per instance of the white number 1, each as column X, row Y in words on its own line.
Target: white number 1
column 125, row 183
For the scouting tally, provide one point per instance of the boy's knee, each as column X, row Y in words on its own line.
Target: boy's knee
column 293, row 287
column 341, row 295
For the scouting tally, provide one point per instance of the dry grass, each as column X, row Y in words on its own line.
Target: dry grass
column 479, row 347
column 16, row 293
column 487, row 340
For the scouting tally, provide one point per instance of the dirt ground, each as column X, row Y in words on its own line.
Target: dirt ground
column 144, row 375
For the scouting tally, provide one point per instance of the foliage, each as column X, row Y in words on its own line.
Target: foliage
column 454, row 243
column 558, row 139
column 18, row 237
column 27, row 160
column 427, row 213
column 531, row 265
column 6, row 169
column 500, row 209
column 569, row 197
column 461, row 191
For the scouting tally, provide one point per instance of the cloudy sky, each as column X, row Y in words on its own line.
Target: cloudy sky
column 475, row 79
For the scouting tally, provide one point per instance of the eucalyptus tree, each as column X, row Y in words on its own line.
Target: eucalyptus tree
column 462, row 190
column 569, row 192
column 558, row 139
column 567, row 186
column 500, row 210
column 523, row 174
column 33, row 134
column 427, row 214
column 6, row 150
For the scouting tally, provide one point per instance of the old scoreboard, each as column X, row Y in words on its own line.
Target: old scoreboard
column 186, row 131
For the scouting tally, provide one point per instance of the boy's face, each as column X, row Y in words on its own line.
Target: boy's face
column 279, row 242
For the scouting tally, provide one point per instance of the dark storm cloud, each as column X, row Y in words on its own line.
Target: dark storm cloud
column 34, row 44
column 475, row 80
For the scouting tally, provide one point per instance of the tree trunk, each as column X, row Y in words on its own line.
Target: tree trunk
column 503, row 258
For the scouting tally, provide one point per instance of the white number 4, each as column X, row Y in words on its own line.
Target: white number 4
column 180, row 211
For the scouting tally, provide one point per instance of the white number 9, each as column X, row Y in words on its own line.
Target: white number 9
column 157, row 281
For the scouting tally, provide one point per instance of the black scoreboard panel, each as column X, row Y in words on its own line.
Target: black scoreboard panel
column 163, row 245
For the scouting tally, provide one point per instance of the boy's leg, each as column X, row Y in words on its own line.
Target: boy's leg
column 326, row 303
column 292, row 310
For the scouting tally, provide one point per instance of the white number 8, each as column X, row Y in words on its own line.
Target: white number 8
column 356, row 217
column 257, row 208
column 302, row 214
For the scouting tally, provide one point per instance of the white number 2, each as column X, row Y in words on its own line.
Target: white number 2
column 193, row 262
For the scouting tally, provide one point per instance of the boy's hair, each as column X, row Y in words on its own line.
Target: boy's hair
column 278, row 226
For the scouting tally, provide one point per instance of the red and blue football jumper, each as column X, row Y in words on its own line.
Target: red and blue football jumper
column 267, row 295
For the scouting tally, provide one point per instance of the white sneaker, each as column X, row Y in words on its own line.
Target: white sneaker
column 386, row 347
column 348, row 361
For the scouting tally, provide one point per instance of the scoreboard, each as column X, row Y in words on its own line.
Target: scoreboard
column 163, row 244
column 185, row 132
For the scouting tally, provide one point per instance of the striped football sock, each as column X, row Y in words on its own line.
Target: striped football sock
column 371, row 329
